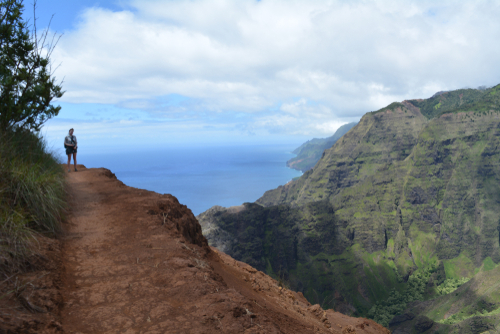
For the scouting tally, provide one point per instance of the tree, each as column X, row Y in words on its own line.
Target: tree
column 27, row 84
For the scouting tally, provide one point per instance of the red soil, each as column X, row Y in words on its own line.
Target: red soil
column 134, row 261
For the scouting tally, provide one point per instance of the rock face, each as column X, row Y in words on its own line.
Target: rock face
column 414, row 182
column 309, row 153
column 274, row 242
column 423, row 323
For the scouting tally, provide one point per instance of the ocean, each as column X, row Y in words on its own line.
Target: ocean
column 201, row 177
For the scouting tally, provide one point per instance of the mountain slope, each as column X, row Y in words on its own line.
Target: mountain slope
column 472, row 308
column 310, row 152
column 132, row 260
column 414, row 185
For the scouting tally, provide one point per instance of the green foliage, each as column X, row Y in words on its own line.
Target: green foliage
column 450, row 285
column 461, row 316
column 446, row 101
column 31, row 193
column 459, row 266
column 414, row 290
column 489, row 101
column 477, row 100
column 488, row 264
column 27, row 85
column 473, row 308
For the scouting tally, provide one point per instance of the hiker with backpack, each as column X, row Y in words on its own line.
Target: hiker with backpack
column 70, row 144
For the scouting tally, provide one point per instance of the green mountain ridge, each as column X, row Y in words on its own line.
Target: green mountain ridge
column 412, row 186
column 309, row 153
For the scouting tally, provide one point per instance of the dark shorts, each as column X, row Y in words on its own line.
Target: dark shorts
column 70, row 150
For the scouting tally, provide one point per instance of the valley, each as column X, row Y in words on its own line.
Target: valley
column 412, row 189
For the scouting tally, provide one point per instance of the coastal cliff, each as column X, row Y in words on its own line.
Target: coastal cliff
column 309, row 153
column 411, row 191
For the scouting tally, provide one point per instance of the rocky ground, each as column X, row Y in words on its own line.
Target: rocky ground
column 134, row 261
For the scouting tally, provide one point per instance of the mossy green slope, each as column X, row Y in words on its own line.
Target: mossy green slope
column 309, row 153
column 472, row 308
column 403, row 190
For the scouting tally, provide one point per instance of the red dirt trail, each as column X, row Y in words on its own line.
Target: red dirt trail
column 134, row 261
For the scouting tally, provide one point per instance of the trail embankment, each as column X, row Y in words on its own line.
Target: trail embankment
column 134, row 261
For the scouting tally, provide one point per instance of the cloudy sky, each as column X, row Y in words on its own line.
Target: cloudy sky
column 138, row 72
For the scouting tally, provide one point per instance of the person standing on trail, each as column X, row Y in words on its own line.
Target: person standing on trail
column 71, row 145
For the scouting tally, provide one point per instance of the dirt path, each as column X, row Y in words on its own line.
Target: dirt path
column 125, row 271
column 134, row 261
column 130, row 269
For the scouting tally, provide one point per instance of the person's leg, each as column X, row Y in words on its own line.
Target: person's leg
column 74, row 159
column 69, row 160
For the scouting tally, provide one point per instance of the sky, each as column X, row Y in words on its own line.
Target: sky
column 213, row 72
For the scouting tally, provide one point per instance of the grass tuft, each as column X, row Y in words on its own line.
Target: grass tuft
column 32, row 192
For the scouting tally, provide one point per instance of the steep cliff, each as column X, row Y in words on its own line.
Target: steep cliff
column 414, row 185
column 309, row 153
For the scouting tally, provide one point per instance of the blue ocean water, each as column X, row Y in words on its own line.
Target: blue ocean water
column 201, row 177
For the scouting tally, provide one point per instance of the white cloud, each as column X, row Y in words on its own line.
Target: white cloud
column 341, row 59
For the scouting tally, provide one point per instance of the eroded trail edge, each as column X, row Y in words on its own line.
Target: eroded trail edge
column 134, row 261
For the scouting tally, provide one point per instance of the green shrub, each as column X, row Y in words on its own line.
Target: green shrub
column 414, row 290
column 32, row 192
column 450, row 285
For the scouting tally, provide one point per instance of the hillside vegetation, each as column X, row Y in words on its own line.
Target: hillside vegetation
column 31, row 180
column 309, row 153
column 31, row 196
column 472, row 308
column 408, row 200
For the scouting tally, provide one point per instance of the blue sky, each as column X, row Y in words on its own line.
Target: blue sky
column 66, row 13
column 211, row 72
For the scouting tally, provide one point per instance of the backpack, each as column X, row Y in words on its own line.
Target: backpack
column 72, row 142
